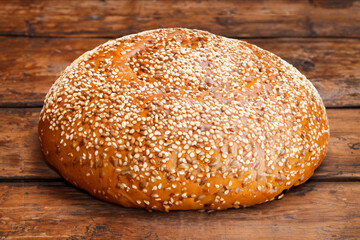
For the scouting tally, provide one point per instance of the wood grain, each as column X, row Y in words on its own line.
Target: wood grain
column 331, row 65
column 314, row 210
column 39, row 38
column 93, row 18
column 20, row 152
column 21, row 158
column 28, row 67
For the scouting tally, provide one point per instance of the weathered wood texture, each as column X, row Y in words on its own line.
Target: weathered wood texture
column 39, row 38
column 316, row 210
column 249, row 18
column 28, row 67
column 20, row 155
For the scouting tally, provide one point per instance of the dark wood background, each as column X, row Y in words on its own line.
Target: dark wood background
column 39, row 38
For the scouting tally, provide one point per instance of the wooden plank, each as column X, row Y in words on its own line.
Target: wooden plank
column 28, row 67
column 92, row 18
column 331, row 65
column 20, row 152
column 343, row 152
column 315, row 210
column 20, row 155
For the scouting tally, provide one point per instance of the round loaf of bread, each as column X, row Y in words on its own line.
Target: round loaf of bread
column 177, row 119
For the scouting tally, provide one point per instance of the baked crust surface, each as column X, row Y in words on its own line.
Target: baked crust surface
column 178, row 119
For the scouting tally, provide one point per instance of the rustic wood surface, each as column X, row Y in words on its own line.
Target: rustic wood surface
column 39, row 38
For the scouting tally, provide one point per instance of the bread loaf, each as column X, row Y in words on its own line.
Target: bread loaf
column 178, row 119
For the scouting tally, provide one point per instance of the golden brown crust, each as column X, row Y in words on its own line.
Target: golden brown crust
column 176, row 119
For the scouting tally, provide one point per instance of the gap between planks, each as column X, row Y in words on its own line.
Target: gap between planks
column 41, row 104
column 61, row 180
column 105, row 37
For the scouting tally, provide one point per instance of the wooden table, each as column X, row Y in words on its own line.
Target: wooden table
column 40, row 38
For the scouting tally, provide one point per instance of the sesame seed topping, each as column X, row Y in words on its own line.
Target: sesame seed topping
column 167, row 107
